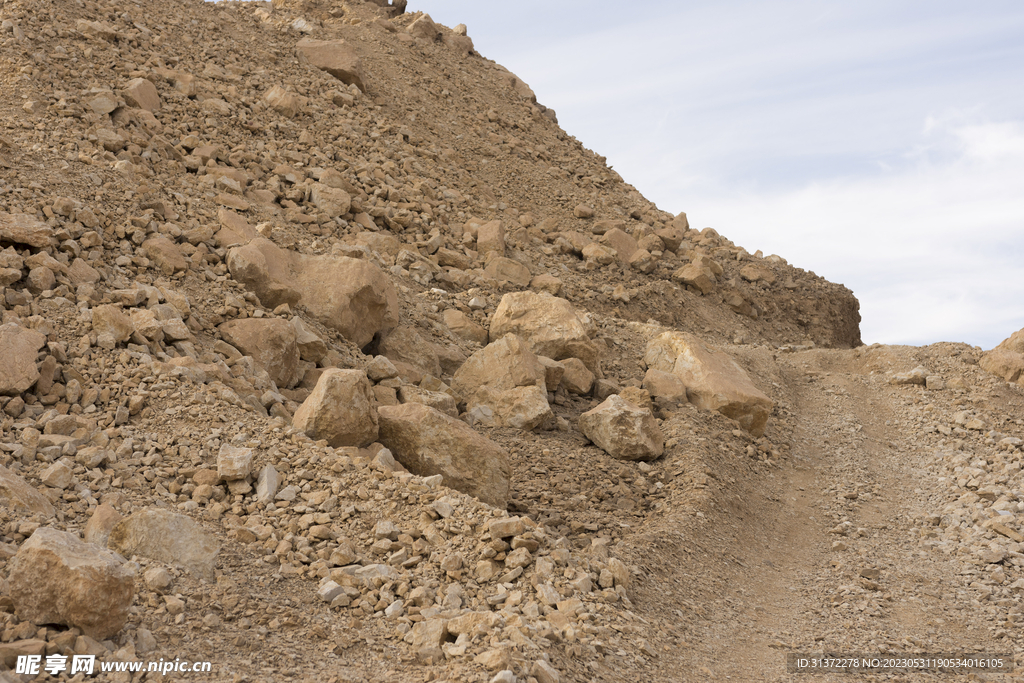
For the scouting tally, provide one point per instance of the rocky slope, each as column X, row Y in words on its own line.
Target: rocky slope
column 335, row 358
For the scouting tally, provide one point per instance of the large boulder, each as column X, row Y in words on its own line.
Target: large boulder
column 503, row 385
column 142, row 94
column 335, row 57
column 111, row 322
column 271, row 342
column 55, row 578
column 339, row 409
column 465, row 327
column 17, row 495
column 25, row 229
column 623, row 430
column 505, row 363
column 1007, row 359
column 18, row 349
column 428, row 442
column 167, row 537
column 548, row 325
column 713, row 379
column 349, row 295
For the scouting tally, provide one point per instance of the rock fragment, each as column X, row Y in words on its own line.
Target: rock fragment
column 340, row 409
column 168, row 537
column 623, row 430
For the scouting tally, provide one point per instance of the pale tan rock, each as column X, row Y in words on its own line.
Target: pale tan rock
column 272, row 344
column 1007, row 359
column 437, row 400
column 622, row 242
column 426, row 638
column 111, row 321
column 168, row 537
column 57, row 475
column 599, row 255
column 553, row 372
column 381, row 368
column 583, row 211
column 339, row 410
column 234, row 462
column 548, row 325
column 519, row 408
column 97, row 530
column 507, row 270
column 311, row 347
column 504, row 364
column 661, row 384
column 404, row 344
column 1001, row 362
column 713, row 380
column 55, row 578
column 164, row 254
column 546, row 283
column 697, row 276
column 18, row 349
column 490, row 237
column 349, row 295
column 623, row 431
column 641, row 398
column 16, row 494
column 756, row 273
column 577, row 379
column 428, row 442
column 642, row 261
column 465, row 327
column 336, row 57
column 331, row 200
column 424, row 27
column 81, row 273
column 284, row 102
column 25, row 229
column 141, row 94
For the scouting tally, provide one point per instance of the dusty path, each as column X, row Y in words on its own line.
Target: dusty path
column 825, row 553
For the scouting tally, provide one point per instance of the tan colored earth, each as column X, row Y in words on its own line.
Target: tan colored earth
column 400, row 185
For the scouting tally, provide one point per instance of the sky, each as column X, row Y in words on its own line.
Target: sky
column 878, row 144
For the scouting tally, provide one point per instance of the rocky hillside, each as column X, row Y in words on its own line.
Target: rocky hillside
column 326, row 354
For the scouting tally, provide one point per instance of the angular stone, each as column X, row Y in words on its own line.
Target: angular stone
column 507, row 270
column 424, row 27
column 352, row 296
column 284, row 102
column 697, row 276
column 465, row 327
column 490, row 237
column 428, row 442
column 381, row 368
column 55, row 578
column 164, row 254
column 553, row 372
column 141, row 94
column 504, row 364
column 335, row 57
column 18, row 495
column 331, row 200
column 623, row 430
column 520, row 408
column 233, row 462
column 267, row 484
column 622, row 242
column 272, row 344
column 97, row 529
column 18, row 349
column 110, row 320
column 576, row 378
column 548, row 325
column 168, row 537
column 58, row 475
column 311, row 347
column 661, row 384
column 25, row 229
column 339, row 410
column 405, row 345
column 713, row 380
column 438, row 400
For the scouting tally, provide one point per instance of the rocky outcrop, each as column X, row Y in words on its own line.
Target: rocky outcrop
column 428, row 442
column 713, row 380
column 1007, row 359
column 349, row 295
column 548, row 325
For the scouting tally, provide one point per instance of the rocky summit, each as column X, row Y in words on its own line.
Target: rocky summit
column 327, row 355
